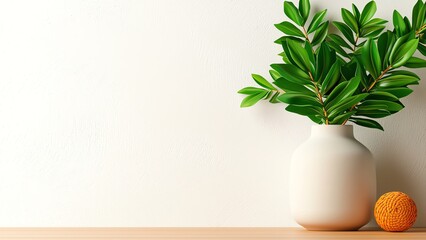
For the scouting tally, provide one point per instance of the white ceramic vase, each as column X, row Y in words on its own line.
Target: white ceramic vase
column 332, row 180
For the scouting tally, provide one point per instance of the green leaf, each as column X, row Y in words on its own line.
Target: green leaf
column 338, row 49
column 345, row 30
column 274, row 74
column 325, row 57
column 339, row 119
column 289, row 29
column 263, row 82
column 304, row 9
column 336, row 91
column 394, row 81
column 404, row 53
column 300, row 56
column 339, row 40
column 372, row 31
column 316, row 21
column 371, row 107
column 415, row 62
column 374, row 22
column 284, row 38
column 379, row 113
column 371, row 58
column 382, row 96
column 274, row 98
column 368, row 12
column 356, row 12
column 398, row 44
column 350, row 20
column 384, row 43
column 304, row 110
column 345, row 104
column 320, row 34
column 398, row 23
column 291, row 11
column 251, row 90
column 289, row 86
column 350, row 87
column 422, row 49
column 253, row 99
column 418, row 15
column 390, row 106
column 331, row 78
column 292, row 73
column 299, row 99
column 366, row 123
column 397, row 92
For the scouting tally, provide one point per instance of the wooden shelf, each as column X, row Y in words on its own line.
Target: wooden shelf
column 200, row 233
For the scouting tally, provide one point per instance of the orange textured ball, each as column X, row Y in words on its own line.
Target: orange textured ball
column 395, row 212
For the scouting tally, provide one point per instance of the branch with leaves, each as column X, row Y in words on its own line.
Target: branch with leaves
column 358, row 75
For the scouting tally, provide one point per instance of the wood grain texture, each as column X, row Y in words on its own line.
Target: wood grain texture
column 200, row 233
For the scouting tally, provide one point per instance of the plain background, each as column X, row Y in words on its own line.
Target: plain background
column 125, row 113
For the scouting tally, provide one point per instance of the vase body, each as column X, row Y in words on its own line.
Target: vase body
column 332, row 180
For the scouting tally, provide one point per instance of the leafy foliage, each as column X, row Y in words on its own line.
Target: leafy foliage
column 352, row 76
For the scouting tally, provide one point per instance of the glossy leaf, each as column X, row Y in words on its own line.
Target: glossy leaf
column 289, row 29
column 422, row 49
column 299, row 99
column 350, row 87
column 398, row 44
column 339, row 40
column 384, row 43
column 356, row 12
column 346, row 104
column 350, row 20
column 393, row 83
column 368, row 12
column 251, row 90
column 382, row 96
column 316, row 21
column 342, row 117
column 289, row 86
column 291, row 12
column 263, row 82
column 324, row 60
column 320, row 34
column 372, row 31
column 398, row 23
column 415, row 62
column 300, row 56
column 397, row 92
column 371, row 58
column 274, row 74
column 253, row 99
column 332, row 77
column 418, row 15
column 304, row 9
column 390, row 106
column 378, row 113
column 345, row 30
column 404, row 53
column 292, row 73
column 374, row 22
column 304, row 110
column 366, row 123
column 274, row 98
column 338, row 49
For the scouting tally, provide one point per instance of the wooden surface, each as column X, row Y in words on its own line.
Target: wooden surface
column 199, row 233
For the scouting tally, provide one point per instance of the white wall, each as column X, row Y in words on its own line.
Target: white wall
column 125, row 113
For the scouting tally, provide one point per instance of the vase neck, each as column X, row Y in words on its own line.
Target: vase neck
column 332, row 130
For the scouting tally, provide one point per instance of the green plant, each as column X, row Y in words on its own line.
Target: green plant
column 357, row 75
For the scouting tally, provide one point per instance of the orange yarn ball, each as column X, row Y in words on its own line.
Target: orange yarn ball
column 395, row 212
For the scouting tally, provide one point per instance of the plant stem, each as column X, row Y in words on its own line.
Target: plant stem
column 369, row 88
column 420, row 29
column 306, row 34
column 356, row 41
column 319, row 98
column 378, row 78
